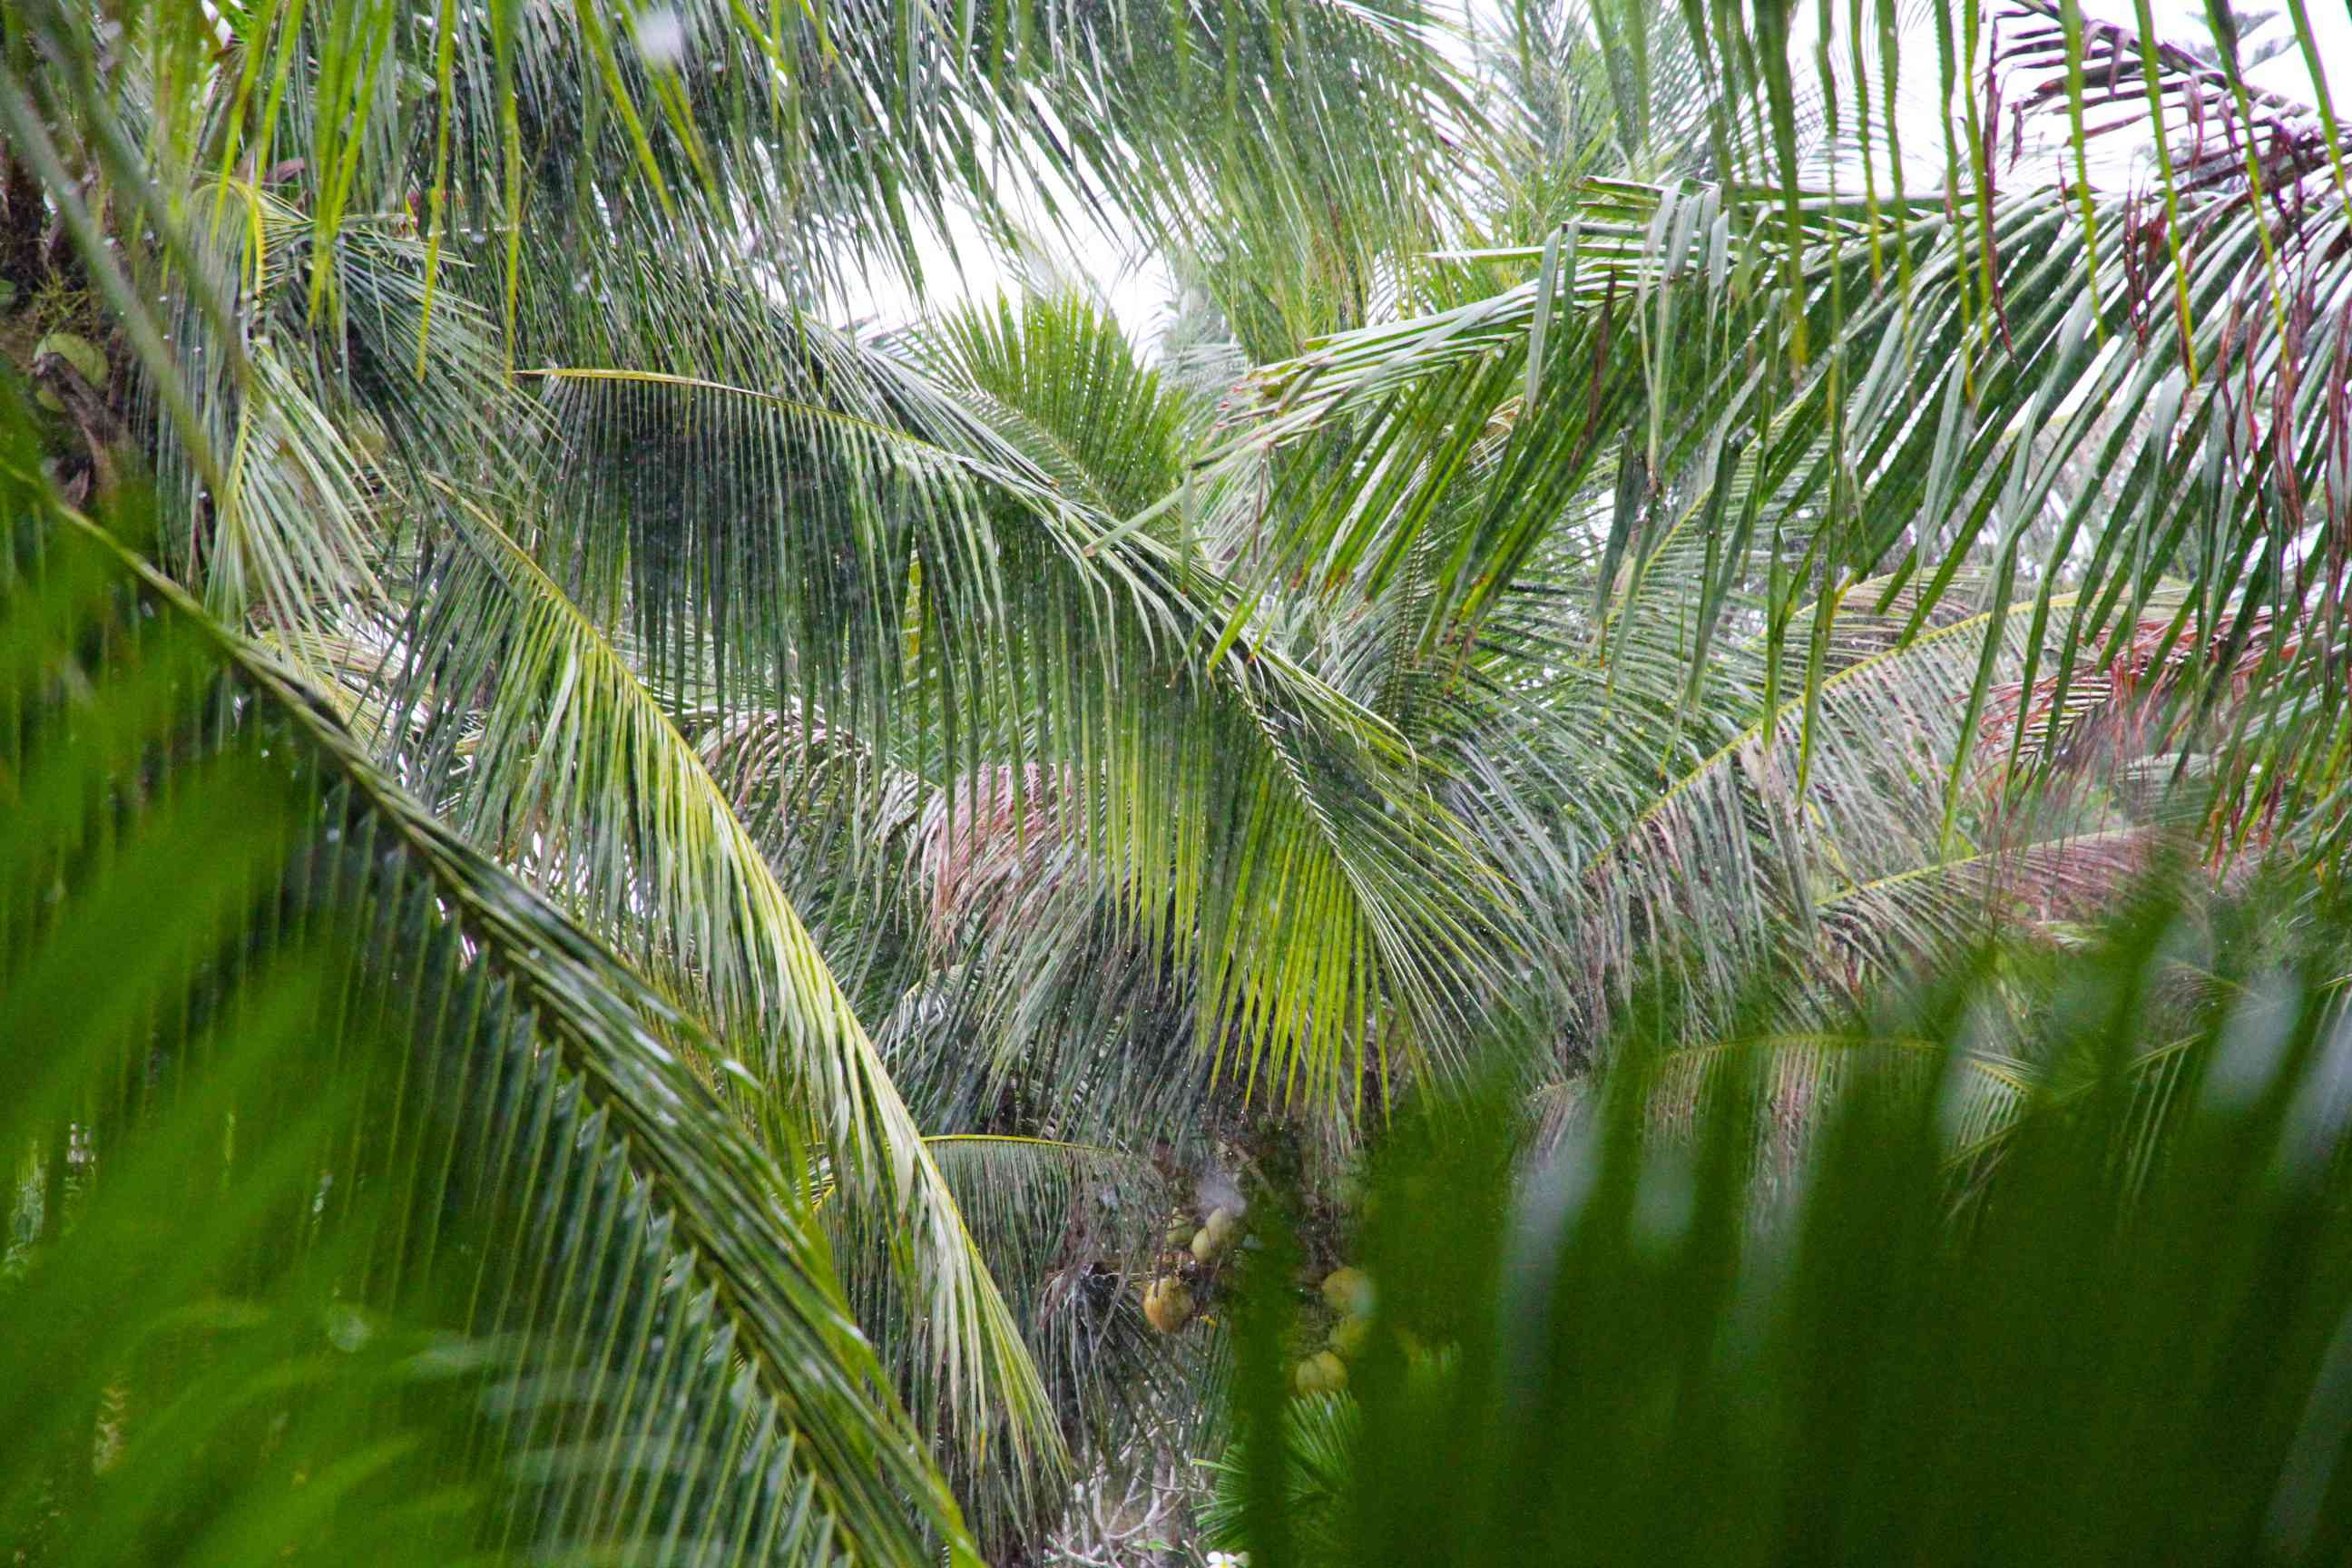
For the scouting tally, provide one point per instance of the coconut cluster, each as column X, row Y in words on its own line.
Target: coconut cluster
column 1189, row 1257
column 1189, row 1252
column 1349, row 1293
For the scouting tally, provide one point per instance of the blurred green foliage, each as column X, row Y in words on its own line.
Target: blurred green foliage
column 2121, row 1333
column 362, row 1209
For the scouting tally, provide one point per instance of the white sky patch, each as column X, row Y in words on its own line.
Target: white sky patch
column 1078, row 256
column 2285, row 73
column 2181, row 21
column 1135, row 285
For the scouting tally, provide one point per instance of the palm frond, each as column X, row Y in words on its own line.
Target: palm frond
column 1070, row 1228
column 572, row 769
column 422, row 1078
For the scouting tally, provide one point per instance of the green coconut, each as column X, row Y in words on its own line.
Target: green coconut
column 1321, row 1372
column 1350, row 1291
column 1167, row 1305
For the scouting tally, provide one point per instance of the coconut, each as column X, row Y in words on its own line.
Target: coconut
column 1167, row 1305
column 1321, row 1372
column 1350, row 1291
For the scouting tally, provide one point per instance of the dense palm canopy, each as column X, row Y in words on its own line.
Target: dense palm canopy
column 794, row 839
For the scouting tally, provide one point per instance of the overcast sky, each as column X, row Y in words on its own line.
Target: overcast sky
column 1138, row 289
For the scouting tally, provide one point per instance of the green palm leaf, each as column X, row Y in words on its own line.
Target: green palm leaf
column 531, row 1165
column 574, row 770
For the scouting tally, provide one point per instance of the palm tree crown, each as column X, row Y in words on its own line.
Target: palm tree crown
column 790, row 848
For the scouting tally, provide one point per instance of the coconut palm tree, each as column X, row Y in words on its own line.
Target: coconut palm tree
column 428, row 322
column 1025, row 789
column 344, row 1155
